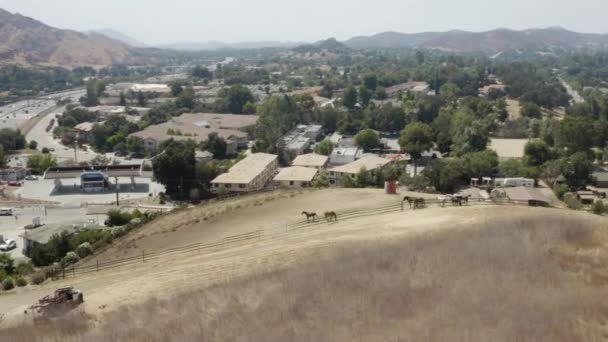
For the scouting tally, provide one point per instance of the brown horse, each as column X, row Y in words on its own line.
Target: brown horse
column 410, row 201
column 309, row 216
column 419, row 203
column 331, row 216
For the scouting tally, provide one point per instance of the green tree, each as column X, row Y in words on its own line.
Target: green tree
column 481, row 164
column 449, row 92
column 11, row 139
column 141, row 99
column 176, row 89
column 574, row 134
column 530, row 110
column 537, row 153
column 367, row 140
column 365, row 95
column 175, row 168
column 249, row 108
column 349, row 98
column 216, row 145
column 39, row 162
column 327, row 91
column 123, row 99
column 416, row 138
column 202, row 72
column 33, row 144
column 121, row 149
column 370, row 81
column 577, row 169
column 322, row 180
column 235, row 98
column 135, row 145
column 363, row 178
column 187, row 98
column 325, row 147
column 381, row 93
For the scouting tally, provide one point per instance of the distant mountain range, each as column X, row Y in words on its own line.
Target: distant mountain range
column 217, row 45
column 489, row 41
column 26, row 41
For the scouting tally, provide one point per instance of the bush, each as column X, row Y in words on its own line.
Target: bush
column 33, row 145
column 24, row 268
column 21, row 282
column 8, row 284
column 70, row 258
column 84, row 249
column 598, row 207
column 162, row 198
column 560, row 190
column 117, row 218
column 572, row 202
column 45, row 150
column 37, row 278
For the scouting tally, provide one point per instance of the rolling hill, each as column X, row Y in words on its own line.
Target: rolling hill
column 26, row 41
column 488, row 41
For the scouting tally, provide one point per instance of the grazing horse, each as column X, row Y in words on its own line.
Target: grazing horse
column 410, row 201
column 331, row 216
column 457, row 200
column 419, row 203
column 465, row 199
column 309, row 215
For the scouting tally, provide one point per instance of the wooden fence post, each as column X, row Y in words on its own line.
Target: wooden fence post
column 97, row 264
column 143, row 256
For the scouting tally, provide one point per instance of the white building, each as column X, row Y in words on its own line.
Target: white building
column 299, row 139
column 514, row 182
column 372, row 164
column 249, row 174
column 295, row 177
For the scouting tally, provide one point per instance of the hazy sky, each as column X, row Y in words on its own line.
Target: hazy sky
column 171, row 21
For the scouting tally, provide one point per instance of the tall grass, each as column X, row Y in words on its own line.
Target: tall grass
column 502, row 281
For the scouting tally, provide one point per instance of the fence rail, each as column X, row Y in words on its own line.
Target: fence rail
column 253, row 236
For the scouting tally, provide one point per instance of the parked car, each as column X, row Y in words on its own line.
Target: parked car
column 31, row 177
column 14, row 183
column 8, row 245
column 6, row 212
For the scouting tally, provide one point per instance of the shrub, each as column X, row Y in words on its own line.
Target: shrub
column 33, row 145
column 84, row 249
column 560, row 190
column 37, row 278
column 118, row 218
column 70, row 258
column 8, row 284
column 571, row 201
column 598, row 207
column 45, row 150
column 162, row 198
column 24, row 268
column 21, row 282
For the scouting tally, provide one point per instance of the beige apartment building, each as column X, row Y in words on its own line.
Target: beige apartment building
column 249, row 174
column 296, row 177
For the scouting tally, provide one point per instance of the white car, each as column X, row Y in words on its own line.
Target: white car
column 8, row 245
column 31, row 177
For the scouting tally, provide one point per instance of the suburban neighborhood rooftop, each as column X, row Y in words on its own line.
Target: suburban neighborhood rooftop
column 247, row 169
column 367, row 162
column 297, row 174
column 310, row 159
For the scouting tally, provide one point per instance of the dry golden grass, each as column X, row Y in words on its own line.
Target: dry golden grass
column 532, row 279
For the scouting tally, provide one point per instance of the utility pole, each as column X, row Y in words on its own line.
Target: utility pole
column 116, row 186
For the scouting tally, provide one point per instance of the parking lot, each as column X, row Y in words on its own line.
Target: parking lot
column 71, row 195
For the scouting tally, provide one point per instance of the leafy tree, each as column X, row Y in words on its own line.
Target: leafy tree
column 175, row 167
column 447, row 175
column 449, row 92
column 363, row 178
column 370, row 81
column 577, row 169
column 235, row 98
column 389, row 119
column 598, row 208
column 481, row 164
column 187, row 98
column 416, row 138
column 11, row 139
column 141, row 99
column 367, row 140
column 537, row 153
column 216, row 145
column 277, row 115
column 511, row 168
column 574, row 134
column 121, row 149
column 40, row 162
column 135, row 145
column 7, row 264
column 381, row 93
column 364, row 96
column 327, row 91
column 322, row 180
column 249, row 108
column 349, row 98
column 530, row 110
column 123, row 99
column 176, row 89
column 202, row 72
column 325, row 147
column 347, row 182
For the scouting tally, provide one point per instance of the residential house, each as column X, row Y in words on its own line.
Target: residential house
column 312, row 160
column 343, row 155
